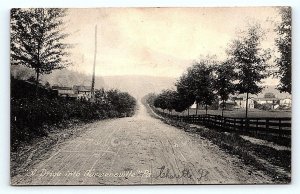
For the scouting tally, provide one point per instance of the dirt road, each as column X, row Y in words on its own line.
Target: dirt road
column 138, row 150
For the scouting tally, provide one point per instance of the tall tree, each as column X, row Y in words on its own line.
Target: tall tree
column 37, row 39
column 224, row 81
column 250, row 61
column 184, row 92
column 201, row 83
column 284, row 44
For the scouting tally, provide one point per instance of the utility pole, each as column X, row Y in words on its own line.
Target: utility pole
column 93, row 78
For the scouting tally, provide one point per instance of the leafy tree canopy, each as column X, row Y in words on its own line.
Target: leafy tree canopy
column 37, row 39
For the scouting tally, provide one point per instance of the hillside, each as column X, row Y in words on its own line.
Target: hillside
column 137, row 85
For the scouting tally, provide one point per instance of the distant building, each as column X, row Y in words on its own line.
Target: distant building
column 269, row 100
column 194, row 106
column 83, row 92
column 286, row 102
column 240, row 102
column 78, row 92
column 266, row 100
column 64, row 91
column 200, row 106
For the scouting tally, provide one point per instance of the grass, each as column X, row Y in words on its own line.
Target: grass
column 240, row 113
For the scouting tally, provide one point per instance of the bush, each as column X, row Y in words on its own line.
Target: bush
column 30, row 115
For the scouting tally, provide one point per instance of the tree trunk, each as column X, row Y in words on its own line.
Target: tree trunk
column 196, row 108
column 247, row 105
column 206, row 109
column 247, row 110
column 223, row 105
column 188, row 111
column 37, row 82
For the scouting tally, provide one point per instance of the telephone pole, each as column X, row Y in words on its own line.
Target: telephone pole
column 93, row 78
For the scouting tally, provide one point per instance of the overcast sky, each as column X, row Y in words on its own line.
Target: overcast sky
column 158, row 41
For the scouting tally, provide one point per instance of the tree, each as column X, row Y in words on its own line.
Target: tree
column 172, row 99
column 161, row 101
column 121, row 101
column 201, row 83
column 224, row 81
column 185, row 94
column 250, row 61
column 167, row 99
column 36, row 39
column 284, row 44
column 149, row 99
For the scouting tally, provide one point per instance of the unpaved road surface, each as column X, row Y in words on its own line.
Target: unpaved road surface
column 137, row 150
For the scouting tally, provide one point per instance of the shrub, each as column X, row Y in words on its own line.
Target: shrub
column 29, row 115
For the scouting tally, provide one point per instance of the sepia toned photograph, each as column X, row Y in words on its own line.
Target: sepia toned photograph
column 150, row 96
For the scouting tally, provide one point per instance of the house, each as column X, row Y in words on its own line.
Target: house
column 64, row 91
column 82, row 92
column 213, row 106
column 266, row 100
column 200, row 106
column 240, row 102
column 286, row 102
column 194, row 106
column 269, row 100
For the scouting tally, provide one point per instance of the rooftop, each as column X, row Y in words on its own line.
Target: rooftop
column 82, row 88
column 61, row 88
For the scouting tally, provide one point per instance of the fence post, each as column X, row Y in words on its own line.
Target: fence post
column 280, row 124
column 234, row 125
column 242, row 124
column 267, row 124
column 256, row 126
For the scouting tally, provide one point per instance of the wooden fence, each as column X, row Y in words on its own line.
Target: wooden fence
column 277, row 126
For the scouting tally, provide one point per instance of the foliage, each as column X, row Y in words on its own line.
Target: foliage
column 250, row 61
column 284, row 44
column 37, row 40
column 29, row 115
column 121, row 101
column 185, row 94
column 224, row 81
column 201, row 82
column 165, row 100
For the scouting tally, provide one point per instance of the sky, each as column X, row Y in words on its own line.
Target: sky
column 158, row 41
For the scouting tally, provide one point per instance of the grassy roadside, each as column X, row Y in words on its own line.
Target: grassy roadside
column 275, row 163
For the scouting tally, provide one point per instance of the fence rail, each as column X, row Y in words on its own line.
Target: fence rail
column 274, row 125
